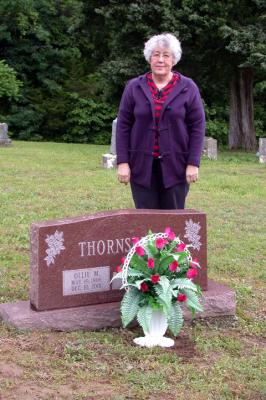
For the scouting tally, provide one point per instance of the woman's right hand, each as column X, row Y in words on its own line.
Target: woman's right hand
column 123, row 173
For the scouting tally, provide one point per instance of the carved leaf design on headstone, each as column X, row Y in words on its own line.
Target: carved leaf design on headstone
column 55, row 246
column 192, row 233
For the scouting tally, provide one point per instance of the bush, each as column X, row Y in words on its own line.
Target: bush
column 217, row 125
column 89, row 121
column 217, row 129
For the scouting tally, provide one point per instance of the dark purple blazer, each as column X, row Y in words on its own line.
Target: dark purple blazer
column 181, row 129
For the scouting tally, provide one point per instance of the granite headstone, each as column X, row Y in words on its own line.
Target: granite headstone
column 73, row 259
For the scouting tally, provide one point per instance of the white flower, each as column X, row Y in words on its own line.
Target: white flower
column 55, row 246
column 192, row 233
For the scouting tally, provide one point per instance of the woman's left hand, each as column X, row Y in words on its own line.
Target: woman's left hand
column 192, row 173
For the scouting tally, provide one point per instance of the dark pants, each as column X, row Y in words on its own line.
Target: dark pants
column 157, row 197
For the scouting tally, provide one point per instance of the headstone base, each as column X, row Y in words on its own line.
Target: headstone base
column 5, row 142
column 218, row 300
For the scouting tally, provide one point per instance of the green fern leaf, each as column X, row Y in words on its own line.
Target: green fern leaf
column 166, row 260
column 132, row 272
column 175, row 319
column 164, row 283
column 118, row 275
column 144, row 317
column 164, row 293
column 192, row 300
column 183, row 283
column 130, row 306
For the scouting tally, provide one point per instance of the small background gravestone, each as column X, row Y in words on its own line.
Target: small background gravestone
column 109, row 159
column 113, row 139
column 4, row 139
column 210, row 148
column 262, row 150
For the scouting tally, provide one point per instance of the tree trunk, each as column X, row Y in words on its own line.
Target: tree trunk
column 242, row 130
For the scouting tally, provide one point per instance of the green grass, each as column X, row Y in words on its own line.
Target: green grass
column 41, row 181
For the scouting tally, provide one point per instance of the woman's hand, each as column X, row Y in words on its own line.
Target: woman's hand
column 192, row 173
column 123, row 173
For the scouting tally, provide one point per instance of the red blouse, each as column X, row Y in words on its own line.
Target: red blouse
column 159, row 97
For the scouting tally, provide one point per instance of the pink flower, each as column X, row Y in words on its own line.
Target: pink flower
column 123, row 259
column 181, row 247
column 194, row 263
column 144, row 287
column 173, row 266
column 140, row 251
column 155, row 278
column 191, row 273
column 118, row 268
column 150, row 263
column 181, row 297
column 135, row 240
column 169, row 233
column 160, row 243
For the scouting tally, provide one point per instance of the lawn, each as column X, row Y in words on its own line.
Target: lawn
column 42, row 181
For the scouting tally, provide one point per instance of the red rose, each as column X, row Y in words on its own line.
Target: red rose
column 135, row 240
column 173, row 266
column 150, row 263
column 169, row 233
column 181, row 247
column 118, row 268
column 181, row 297
column 140, row 251
column 144, row 287
column 160, row 243
column 123, row 259
column 155, row 278
column 191, row 273
column 194, row 263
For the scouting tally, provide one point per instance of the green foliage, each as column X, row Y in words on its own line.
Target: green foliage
column 9, row 84
column 89, row 121
column 165, row 294
column 69, row 74
column 130, row 305
column 218, row 130
column 192, row 300
column 183, row 283
column 144, row 317
column 175, row 319
column 157, row 287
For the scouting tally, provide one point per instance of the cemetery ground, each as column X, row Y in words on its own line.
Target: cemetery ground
column 40, row 181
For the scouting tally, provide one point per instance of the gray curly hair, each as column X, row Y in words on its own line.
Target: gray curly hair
column 165, row 40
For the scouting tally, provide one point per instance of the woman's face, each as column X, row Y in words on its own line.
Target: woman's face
column 161, row 61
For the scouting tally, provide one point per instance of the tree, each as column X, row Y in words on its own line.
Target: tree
column 247, row 41
column 231, row 35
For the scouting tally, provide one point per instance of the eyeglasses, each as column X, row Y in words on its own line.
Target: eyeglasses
column 163, row 55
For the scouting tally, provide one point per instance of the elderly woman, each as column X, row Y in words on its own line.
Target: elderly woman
column 160, row 130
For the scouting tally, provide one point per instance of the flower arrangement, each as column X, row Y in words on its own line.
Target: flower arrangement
column 157, row 274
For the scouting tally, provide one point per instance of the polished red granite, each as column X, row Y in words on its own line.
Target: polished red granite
column 73, row 259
